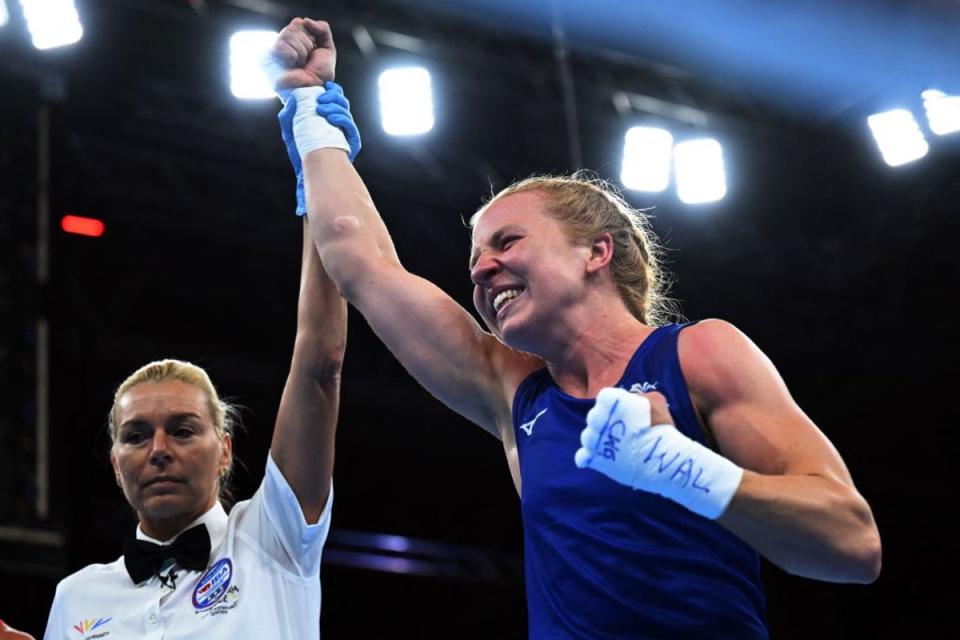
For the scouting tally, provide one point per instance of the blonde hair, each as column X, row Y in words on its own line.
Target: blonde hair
column 587, row 206
column 225, row 416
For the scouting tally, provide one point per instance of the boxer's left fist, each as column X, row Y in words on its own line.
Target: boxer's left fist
column 627, row 439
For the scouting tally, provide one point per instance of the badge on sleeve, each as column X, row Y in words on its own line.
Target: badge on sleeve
column 213, row 584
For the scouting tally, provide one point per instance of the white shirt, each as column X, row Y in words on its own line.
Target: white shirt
column 263, row 580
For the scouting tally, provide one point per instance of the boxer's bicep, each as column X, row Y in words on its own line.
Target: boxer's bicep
column 748, row 409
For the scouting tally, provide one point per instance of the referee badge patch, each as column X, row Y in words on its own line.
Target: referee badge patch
column 213, row 584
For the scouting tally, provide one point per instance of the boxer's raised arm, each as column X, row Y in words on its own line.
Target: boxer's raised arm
column 434, row 337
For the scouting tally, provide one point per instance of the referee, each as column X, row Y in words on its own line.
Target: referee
column 193, row 570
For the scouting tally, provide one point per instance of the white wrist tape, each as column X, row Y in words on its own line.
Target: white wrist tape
column 273, row 69
column 619, row 442
column 311, row 130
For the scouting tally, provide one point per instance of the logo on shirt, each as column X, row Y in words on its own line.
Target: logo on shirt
column 229, row 601
column 644, row 387
column 213, row 585
column 85, row 626
column 527, row 427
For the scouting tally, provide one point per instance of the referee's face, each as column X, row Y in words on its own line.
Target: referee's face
column 167, row 455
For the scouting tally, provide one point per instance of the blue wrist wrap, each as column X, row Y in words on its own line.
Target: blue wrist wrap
column 335, row 108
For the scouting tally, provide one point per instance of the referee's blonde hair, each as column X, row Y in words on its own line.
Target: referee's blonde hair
column 225, row 416
column 587, row 205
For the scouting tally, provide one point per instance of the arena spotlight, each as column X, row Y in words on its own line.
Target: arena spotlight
column 248, row 80
column 406, row 101
column 899, row 137
column 646, row 159
column 4, row 13
column 943, row 111
column 701, row 176
column 52, row 23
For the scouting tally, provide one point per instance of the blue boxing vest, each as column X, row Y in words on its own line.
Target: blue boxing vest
column 606, row 561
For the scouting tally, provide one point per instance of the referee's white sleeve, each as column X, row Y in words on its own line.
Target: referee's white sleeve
column 302, row 543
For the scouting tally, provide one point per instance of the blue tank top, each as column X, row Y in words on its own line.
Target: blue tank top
column 605, row 561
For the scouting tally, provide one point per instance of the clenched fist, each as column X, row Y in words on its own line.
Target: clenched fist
column 305, row 48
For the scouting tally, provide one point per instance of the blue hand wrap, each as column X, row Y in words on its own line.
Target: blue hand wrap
column 335, row 107
column 286, row 132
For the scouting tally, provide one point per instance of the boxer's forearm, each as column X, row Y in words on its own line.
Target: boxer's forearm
column 807, row 525
column 349, row 234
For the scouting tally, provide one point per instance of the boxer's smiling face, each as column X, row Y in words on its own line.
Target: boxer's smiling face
column 525, row 269
column 167, row 455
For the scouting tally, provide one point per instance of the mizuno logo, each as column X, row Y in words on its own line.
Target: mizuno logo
column 644, row 387
column 527, row 427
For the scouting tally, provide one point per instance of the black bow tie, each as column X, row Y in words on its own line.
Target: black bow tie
column 143, row 559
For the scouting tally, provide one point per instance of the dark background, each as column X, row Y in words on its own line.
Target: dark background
column 838, row 266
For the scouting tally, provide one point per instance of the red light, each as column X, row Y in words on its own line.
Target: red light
column 82, row 226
